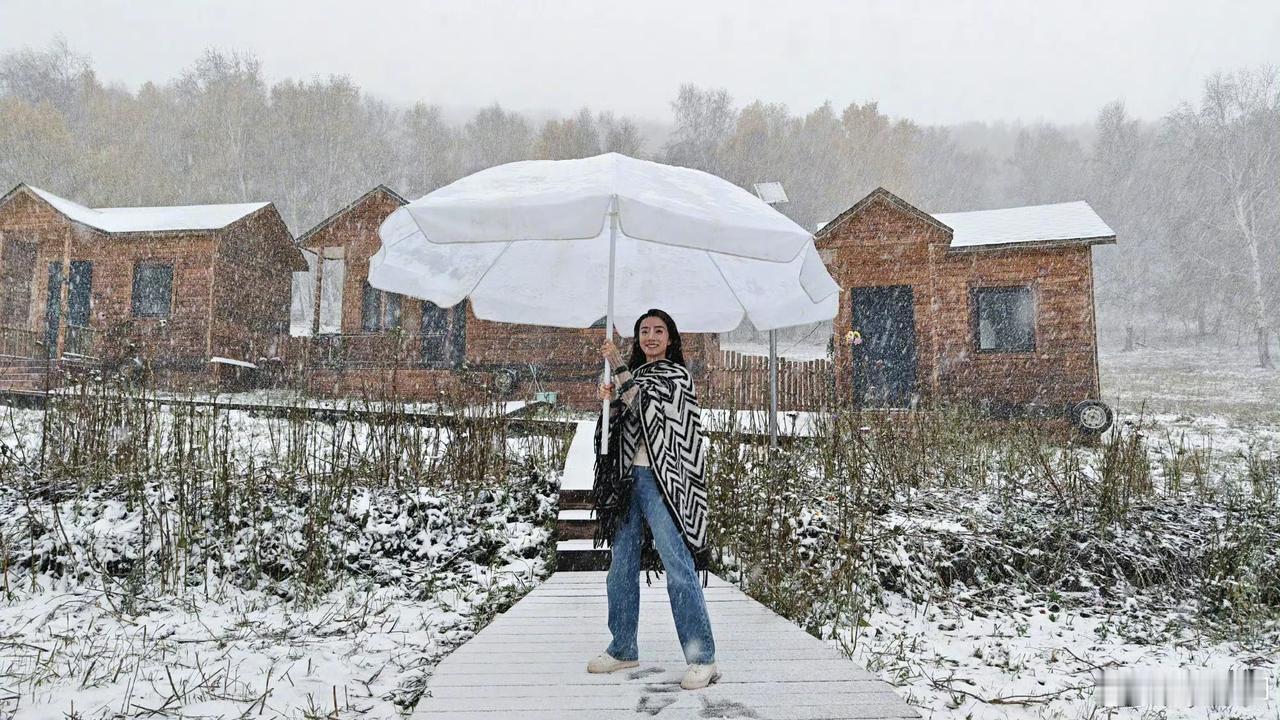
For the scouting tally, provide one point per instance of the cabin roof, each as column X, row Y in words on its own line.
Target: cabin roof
column 395, row 196
column 1033, row 224
column 1068, row 223
column 150, row 219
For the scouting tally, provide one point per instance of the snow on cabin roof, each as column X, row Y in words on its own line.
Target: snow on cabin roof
column 150, row 219
column 1031, row 224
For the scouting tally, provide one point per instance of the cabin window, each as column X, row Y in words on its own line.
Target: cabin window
column 302, row 308
column 333, row 272
column 380, row 310
column 316, row 306
column 1004, row 319
column 443, row 334
column 152, row 289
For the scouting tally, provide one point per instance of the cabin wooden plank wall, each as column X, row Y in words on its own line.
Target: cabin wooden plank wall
column 1062, row 368
column 26, row 223
column 883, row 241
column 252, row 273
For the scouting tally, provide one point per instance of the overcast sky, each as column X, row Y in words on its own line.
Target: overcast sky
column 935, row 62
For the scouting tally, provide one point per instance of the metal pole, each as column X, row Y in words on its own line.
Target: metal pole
column 608, row 322
column 773, row 388
column 773, row 373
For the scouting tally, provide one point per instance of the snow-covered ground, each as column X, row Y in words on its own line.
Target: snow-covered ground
column 282, row 605
column 1193, row 379
column 1028, row 661
column 1015, row 639
column 364, row 651
column 75, row 647
column 1002, row 607
column 292, row 398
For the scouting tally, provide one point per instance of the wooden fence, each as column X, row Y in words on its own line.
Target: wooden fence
column 19, row 343
column 742, row 381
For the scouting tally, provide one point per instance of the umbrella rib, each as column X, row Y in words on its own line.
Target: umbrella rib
column 485, row 274
column 404, row 237
column 711, row 256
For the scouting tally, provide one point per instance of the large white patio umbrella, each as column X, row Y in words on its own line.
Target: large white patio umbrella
column 562, row 242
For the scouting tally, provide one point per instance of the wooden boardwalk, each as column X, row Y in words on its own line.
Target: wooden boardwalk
column 530, row 663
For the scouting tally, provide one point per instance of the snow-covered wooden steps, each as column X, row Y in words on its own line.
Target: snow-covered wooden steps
column 576, row 525
column 530, row 664
column 580, row 461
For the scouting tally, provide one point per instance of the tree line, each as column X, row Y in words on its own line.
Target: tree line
column 1193, row 196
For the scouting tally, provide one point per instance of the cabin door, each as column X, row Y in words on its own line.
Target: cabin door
column 78, row 294
column 884, row 351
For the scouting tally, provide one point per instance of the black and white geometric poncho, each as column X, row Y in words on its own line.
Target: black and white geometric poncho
column 657, row 406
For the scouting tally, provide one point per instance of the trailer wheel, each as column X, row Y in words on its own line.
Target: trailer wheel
column 1091, row 416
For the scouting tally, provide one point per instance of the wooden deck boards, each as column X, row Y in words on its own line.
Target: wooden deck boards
column 530, row 664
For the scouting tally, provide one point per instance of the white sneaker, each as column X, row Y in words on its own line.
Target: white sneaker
column 606, row 663
column 700, row 676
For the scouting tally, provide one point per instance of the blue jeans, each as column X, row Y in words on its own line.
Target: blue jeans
column 688, row 606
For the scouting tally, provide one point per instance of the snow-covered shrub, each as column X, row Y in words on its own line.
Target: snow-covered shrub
column 125, row 487
column 277, row 534
column 943, row 509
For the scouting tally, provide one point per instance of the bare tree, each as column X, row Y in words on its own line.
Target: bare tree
column 820, row 177
column 619, row 135
column 495, row 136
column 1048, row 167
column 431, row 151
column 877, row 149
column 1118, row 192
column 35, row 145
column 223, row 103
column 54, row 75
column 703, row 121
column 946, row 178
column 1233, row 139
column 575, row 137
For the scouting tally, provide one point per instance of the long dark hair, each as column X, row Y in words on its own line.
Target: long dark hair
column 675, row 350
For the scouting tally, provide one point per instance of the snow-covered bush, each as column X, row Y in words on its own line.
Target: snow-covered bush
column 116, row 485
column 942, row 508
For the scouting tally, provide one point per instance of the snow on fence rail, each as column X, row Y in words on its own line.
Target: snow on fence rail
column 742, row 380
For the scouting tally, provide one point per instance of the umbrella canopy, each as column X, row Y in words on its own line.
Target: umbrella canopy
column 530, row 242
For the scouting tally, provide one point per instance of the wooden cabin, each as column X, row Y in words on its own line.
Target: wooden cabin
column 355, row 340
column 193, row 295
column 993, row 307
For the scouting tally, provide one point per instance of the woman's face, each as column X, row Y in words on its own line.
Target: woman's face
column 653, row 338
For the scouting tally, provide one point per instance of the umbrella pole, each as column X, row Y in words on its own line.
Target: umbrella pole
column 608, row 322
column 773, row 389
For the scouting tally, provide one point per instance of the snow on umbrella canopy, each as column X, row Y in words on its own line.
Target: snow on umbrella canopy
column 528, row 242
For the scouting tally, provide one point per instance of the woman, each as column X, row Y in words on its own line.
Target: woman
column 649, row 489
